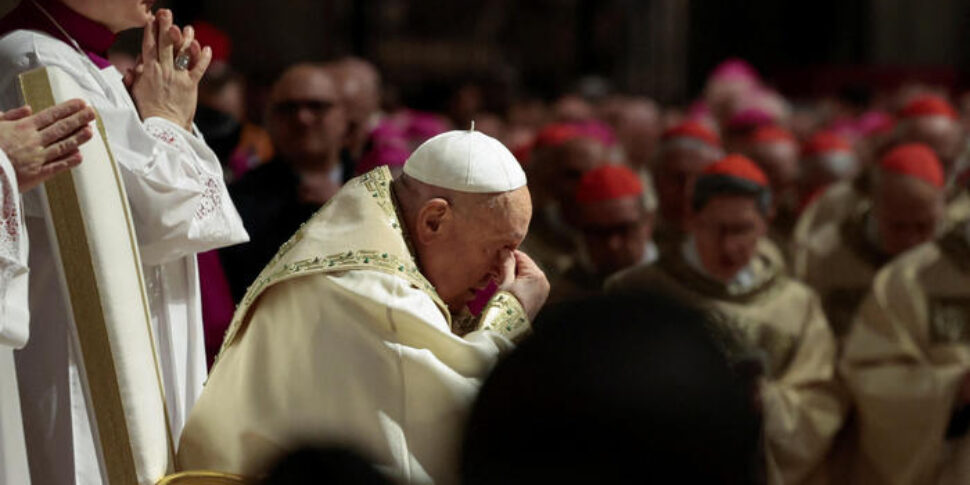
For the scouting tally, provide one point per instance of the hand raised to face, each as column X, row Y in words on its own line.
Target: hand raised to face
column 44, row 144
column 159, row 85
column 529, row 286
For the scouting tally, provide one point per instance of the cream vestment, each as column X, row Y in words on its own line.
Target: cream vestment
column 341, row 339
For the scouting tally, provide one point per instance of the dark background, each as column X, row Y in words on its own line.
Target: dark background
column 661, row 48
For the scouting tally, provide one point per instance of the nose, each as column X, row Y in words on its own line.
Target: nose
column 615, row 242
column 733, row 248
column 305, row 115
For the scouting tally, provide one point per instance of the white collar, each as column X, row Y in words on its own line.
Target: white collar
column 742, row 281
column 651, row 254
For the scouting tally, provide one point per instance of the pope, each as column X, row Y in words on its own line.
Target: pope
column 357, row 332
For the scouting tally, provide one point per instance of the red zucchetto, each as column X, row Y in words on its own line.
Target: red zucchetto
column 732, row 175
column 825, row 142
column 915, row 160
column 771, row 134
column 694, row 131
column 928, row 105
column 608, row 182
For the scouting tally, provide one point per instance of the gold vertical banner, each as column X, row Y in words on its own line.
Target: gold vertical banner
column 98, row 255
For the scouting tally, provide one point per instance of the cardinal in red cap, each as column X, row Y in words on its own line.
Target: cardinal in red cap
column 906, row 209
column 771, row 326
column 827, row 158
column 907, row 198
column 932, row 120
column 685, row 149
column 616, row 228
column 563, row 152
column 776, row 151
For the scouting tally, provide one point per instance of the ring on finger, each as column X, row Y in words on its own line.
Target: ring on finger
column 182, row 61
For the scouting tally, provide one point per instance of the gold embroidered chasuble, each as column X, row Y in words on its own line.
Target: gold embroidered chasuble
column 341, row 339
column 904, row 361
column 778, row 322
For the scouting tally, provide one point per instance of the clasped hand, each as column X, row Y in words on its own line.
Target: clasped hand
column 156, row 85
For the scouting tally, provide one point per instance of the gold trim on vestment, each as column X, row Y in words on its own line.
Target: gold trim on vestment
column 376, row 183
column 505, row 316
column 85, row 302
column 198, row 477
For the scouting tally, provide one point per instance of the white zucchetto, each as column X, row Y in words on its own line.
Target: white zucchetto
column 466, row 161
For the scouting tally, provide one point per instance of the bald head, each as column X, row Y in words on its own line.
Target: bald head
column 306, row 119
column 462, row 240
column 359, row 83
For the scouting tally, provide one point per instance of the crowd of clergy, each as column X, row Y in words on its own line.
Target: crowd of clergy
column 349, row 271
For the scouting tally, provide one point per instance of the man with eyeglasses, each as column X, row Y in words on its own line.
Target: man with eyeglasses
column 306, row 122
column 616, row 230
column 771, row 327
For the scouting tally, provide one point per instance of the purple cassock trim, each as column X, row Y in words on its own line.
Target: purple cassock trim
column 94, row 38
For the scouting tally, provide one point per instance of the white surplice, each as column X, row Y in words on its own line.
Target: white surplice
column 14, row 318
column 180, row 207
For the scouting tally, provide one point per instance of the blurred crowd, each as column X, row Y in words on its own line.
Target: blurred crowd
column 815, row 231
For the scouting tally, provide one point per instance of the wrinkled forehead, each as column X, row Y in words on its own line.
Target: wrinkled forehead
column 506, row 214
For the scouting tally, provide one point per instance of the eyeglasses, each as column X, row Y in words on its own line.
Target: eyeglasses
column 626, row 230
column 316, row 107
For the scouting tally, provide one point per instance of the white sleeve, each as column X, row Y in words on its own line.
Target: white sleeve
column 14, row 314
column 175, row 186
column 416, row 320
column 174, row 182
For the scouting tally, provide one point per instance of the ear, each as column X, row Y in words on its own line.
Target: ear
column 433, row 219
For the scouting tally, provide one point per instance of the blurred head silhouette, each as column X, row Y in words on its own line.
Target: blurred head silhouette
column 614, row 389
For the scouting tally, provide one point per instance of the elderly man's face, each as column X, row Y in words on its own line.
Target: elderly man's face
column 573, row 159
column 675, row 173
column 476, row 243
column 726, row 232
column 306, row 121
column 907, row 211
column 615, row 232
